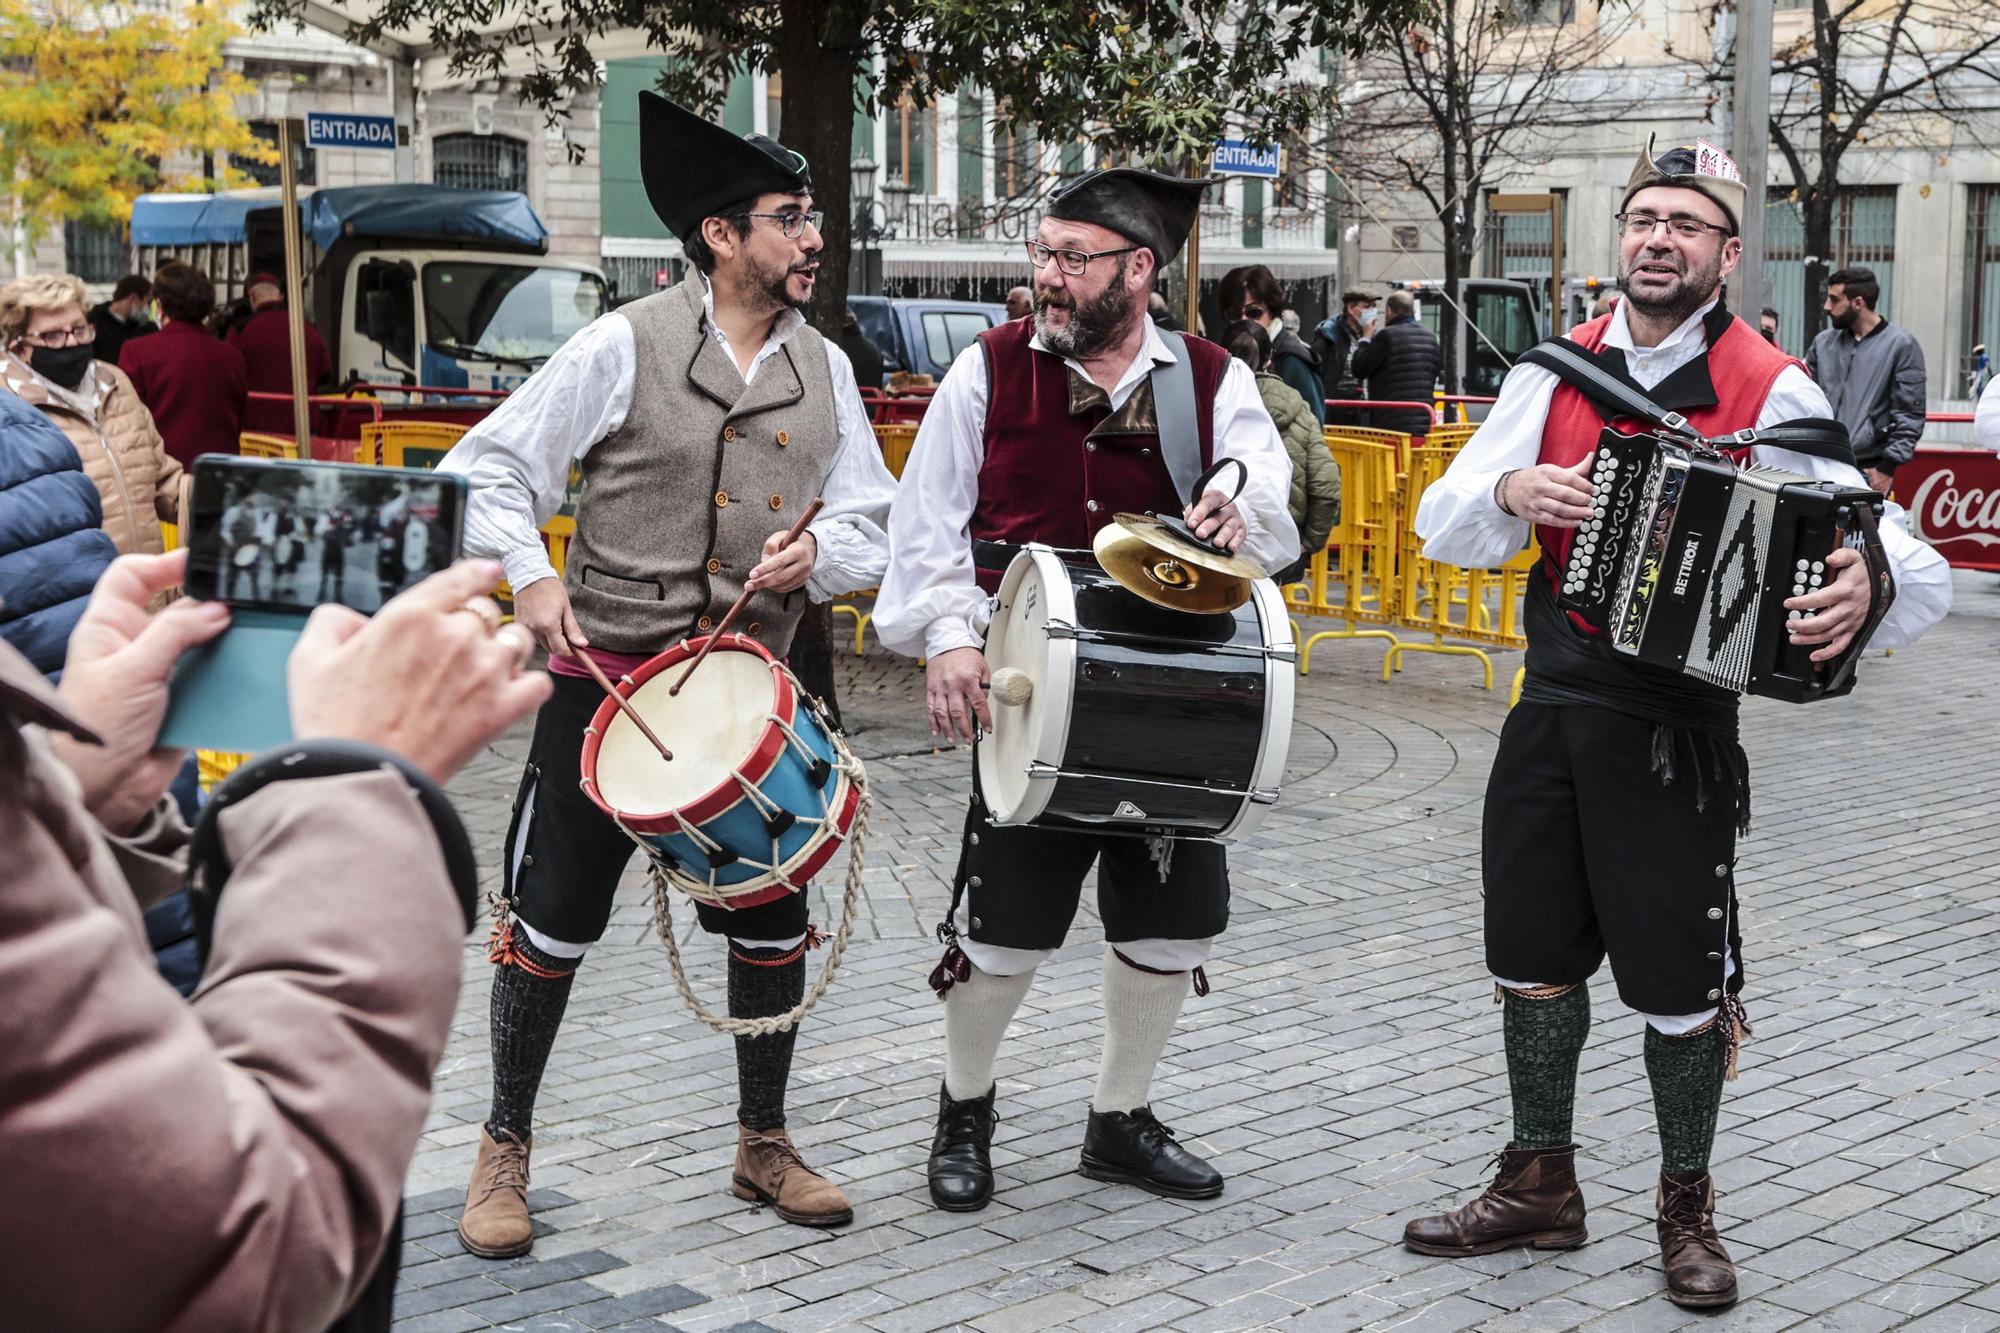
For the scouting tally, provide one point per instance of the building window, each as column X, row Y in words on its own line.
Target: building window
column 1864, row 234
column 1517, row 244
column 1982, row 281
column 480, row 162
column 304, row 165
column 1017, row 159
column 1541, row 13
column 94, row 252
column 912, row 135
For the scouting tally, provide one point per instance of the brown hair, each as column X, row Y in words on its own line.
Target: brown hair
column 184, row 292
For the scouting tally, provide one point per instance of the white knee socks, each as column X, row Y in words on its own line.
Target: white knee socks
column 976, row 1014
column 1140, row 1010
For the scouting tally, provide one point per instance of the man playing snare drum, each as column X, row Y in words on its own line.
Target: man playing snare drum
column 1040, row 434
column 705, row 419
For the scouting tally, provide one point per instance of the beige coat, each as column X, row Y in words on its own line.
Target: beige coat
column 137, row 479
column 233, row 1162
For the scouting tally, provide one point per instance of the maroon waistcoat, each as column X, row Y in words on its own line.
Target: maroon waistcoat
column 1059, row 462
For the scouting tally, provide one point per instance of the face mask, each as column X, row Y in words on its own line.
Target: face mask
column 61, row 365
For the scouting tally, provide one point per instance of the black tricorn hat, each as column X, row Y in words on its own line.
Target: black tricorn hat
column 695, row 169
column 1148, row 208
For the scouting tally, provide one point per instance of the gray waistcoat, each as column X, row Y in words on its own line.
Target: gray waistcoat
column 677, row 502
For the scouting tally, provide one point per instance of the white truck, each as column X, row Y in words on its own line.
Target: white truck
column 408, row 284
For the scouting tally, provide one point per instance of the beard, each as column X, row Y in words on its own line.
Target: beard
column 1093, row 325
column 1695, row 287
column 1845, row 320
column 770, row 285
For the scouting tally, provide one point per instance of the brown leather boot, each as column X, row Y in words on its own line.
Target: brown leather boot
column 1533, row 1200
column 770, row 1170
column 495, row 1222
column 1700, row 1274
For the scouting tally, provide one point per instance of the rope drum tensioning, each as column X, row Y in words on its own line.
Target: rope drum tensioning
column 856, row 842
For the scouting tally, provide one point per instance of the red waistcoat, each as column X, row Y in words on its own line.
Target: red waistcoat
column 1742, row 367
column 1052, row 475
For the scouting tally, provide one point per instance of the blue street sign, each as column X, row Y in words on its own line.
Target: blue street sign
column 1237, row 157
column 327, row 130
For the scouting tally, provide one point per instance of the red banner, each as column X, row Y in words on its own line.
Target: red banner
column 1953, row 496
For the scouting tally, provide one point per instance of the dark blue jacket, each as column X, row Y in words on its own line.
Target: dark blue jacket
column 52, row 540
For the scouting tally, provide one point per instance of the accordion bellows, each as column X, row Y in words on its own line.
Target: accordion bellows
column 1687, row 559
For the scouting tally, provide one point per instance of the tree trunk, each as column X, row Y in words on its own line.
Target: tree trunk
column 819, row 54
column 820, row 65
column 1816, row 205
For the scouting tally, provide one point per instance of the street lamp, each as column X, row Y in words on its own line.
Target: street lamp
column 867, row 234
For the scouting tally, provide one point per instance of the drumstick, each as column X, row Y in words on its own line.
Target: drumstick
column 812, row 511
column 624, row 704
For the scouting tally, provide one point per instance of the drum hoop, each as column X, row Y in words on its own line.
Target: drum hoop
column 726, row 795
column 1062, row 653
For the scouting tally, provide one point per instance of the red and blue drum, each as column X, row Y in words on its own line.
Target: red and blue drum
column 754, row 802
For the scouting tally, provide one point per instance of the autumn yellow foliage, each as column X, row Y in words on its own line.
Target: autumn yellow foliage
column 100, row 103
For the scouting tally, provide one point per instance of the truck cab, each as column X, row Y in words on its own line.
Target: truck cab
column 408, row 284
column 1506, row 314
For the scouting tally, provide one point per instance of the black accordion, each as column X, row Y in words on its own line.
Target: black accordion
column 1687, row 559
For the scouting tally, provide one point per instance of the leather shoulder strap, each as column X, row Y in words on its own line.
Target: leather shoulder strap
column 1173, row 407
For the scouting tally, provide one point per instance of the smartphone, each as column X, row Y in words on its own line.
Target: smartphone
column 281, row 535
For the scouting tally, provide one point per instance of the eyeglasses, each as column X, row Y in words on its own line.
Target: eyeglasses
column 69, row 337
column 1256, row 312
column 1688, row 229
column 793, row 224
column 1072, row 262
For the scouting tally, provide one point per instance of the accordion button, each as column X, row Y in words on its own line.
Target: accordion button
column 1814, row 580
column 1817, row 566
column 1722, row 870
column 972, row 882
column 1715, row 914
column 1715, row 995
column 1804, row 565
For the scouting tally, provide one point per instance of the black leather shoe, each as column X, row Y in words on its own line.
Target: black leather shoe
column 961, row 1169
column 1133, row 1148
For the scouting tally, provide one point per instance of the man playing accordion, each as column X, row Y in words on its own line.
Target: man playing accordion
column 1619, row 788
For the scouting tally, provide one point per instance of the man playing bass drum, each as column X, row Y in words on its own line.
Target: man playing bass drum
column 1619, row 788
column 1042, row 433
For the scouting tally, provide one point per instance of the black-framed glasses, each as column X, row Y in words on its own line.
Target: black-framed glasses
column 69, row 337
column 1072, row 262
column 1688, row 229
column 793, row 224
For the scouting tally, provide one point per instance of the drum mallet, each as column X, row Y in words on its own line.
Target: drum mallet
column 624, row 704
column 812, row 512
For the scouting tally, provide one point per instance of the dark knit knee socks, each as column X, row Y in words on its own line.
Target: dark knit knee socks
column 530, row 993
column 763, row 982
column 1687, row 1075
column 1544, row 1037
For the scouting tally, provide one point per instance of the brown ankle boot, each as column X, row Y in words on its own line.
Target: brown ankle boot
column 770, row 1170
column 495, row 1222
column 1533, row 1200
column 1700, row 1273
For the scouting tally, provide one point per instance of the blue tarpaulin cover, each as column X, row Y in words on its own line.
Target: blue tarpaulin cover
column 360, row 210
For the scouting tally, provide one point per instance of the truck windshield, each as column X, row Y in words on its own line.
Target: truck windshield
column 506, row 312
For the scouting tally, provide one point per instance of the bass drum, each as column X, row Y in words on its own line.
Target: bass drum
column 1137, row 719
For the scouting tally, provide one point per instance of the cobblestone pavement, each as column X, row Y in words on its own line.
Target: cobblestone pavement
column 1345, row 1073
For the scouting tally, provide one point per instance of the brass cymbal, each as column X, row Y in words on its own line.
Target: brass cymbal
column 1148, row 528
column 1164, row 575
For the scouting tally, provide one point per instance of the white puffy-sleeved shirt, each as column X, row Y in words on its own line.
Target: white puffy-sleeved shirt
column 1463, row 525
column 517, row 461
column 930, row 601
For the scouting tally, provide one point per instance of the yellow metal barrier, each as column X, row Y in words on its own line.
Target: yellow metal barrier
column 1353, row 579
column 1472, row 606
column 897, row 438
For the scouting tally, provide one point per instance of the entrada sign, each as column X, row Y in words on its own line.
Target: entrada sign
column 325, row 129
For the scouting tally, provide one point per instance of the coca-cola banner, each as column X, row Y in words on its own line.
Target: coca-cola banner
column 1953, row 496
